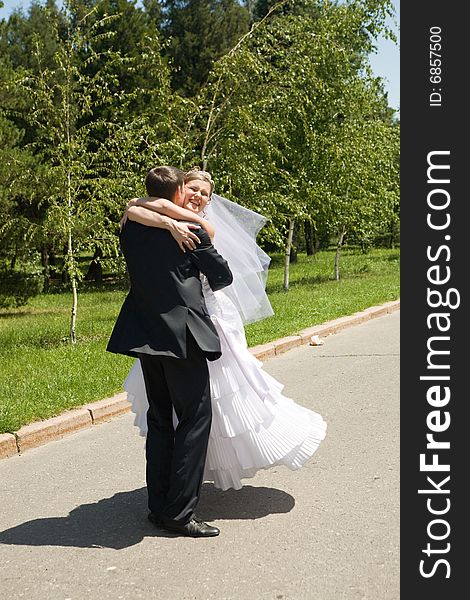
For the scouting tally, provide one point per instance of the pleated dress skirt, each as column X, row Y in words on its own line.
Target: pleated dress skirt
column 254, row 426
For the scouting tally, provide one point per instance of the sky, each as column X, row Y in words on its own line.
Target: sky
column 385, row 63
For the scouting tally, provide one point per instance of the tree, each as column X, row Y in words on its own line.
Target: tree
column 260, row 8
column 200, row 32
column 77, row 148
column 360, row 175
column 44, row 20
column 130, row 31
column 282, row 117
column 19, row 214
column 272, row 100
column 22, row 226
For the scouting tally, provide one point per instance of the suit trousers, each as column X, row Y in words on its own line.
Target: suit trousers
column 176, row 457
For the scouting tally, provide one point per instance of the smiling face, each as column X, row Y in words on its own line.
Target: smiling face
column 196, row 195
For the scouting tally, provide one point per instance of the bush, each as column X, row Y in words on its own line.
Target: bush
column 17, row 287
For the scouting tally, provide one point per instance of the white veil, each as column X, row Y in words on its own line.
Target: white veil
column 236, row 228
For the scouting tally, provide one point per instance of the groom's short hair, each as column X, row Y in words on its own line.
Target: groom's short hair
column 162, row 182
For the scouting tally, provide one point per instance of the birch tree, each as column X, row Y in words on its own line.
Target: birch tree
column 67, row 141
column 360, row 181
column 275, row 96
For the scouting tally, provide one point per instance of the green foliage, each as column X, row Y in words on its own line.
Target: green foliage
column 286, row 114
column 272, row 107
column 359, row 170
column 200, row 32
column 64, row 94
column 17, row 287
column 19, row 213
column 100, row 113
column 42, row 20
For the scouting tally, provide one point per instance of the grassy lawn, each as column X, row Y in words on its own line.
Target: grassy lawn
column 42, row 375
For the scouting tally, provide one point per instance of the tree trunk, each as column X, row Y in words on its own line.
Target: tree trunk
column 73, row 281
column 392, row 233
column 294, row 245
column 309, row 239
column 73, row 318
column 338, row 250
column 46, row 272
column 64, row 276
column 95, row 270
column 287, row 254
column 14, row 258
column 71, row 268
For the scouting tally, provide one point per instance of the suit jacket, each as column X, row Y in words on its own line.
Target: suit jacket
column 165, row 296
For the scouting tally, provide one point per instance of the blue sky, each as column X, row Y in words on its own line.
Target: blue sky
column 385, row 63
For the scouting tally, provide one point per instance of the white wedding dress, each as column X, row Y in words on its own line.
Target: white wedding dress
column 253, row 425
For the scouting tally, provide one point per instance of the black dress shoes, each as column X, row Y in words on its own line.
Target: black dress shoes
column 193, row 528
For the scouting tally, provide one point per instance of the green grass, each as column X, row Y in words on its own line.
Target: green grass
column 42, row 375
column 314, row 295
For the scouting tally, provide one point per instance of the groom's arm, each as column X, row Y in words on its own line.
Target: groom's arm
column 211, row 263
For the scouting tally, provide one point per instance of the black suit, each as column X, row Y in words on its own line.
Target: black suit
column 166, row 296
column 164, row 322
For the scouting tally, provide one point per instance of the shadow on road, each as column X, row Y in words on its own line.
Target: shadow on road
column 120, row 521
column 248, row 503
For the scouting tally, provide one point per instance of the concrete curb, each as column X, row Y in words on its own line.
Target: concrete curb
column 8, row 445
column 41, row 432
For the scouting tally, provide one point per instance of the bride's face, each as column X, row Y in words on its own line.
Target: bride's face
column 196, row 195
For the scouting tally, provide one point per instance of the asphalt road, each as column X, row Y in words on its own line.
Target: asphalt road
column 73, row 512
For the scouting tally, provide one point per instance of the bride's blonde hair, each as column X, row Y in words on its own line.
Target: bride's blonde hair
column 197, row 174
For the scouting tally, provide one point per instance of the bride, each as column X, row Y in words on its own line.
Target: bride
column 254, row 426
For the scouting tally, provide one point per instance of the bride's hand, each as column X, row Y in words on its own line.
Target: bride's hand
column 183, row 235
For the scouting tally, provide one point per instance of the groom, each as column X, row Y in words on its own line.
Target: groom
column 164, row 322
